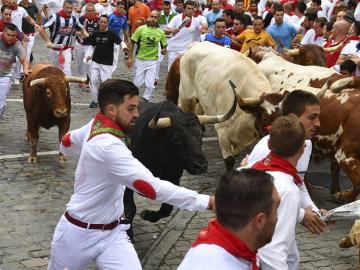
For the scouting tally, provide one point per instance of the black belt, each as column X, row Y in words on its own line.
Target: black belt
column 84, row 225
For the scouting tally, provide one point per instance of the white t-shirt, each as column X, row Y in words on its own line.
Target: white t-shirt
column 311, row 38
column 261, row 151
column 212, row 257
column 350, row 48
column 104, row 10
column 187, row 35
column 17, row 17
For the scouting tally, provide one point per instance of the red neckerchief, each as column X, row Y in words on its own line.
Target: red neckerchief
column 61, row 13
column 197, row 13
column 275, row 163
column 6, row 43
column 317, row 36
column 2, row 26
column 217, row 234
column 92, row 18
column 189, row 23
column 117, row 13
column 353, row 38
column 103, row 124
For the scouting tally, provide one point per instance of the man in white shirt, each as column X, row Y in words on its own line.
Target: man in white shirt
column 315, row 34
column 306, row 107
column 184, row 29
column 92, row 228
column 246, row 214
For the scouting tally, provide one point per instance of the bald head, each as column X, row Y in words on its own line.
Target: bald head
column 341, row 28
column 154, row 18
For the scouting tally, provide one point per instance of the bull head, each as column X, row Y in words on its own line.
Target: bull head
column 74, row 79
column 165, row 122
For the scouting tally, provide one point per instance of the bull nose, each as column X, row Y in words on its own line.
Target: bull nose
column 198, row 166
column 61, row 112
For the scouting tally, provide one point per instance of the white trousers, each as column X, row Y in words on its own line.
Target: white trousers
column 5, row 84
column 159, row 60
column 98, row 73
column 145, row 74
column 172, row 56
column 29, row 46
column 54, row 60
column 83, row 69
column 73, row 248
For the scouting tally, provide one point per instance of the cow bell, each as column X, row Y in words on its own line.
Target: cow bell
column 209, row 119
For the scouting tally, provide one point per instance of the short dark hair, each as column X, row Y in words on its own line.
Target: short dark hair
column 167, row 3
column 296, row 101
column 239, row 1
column 104, row 16
column 242, row 19
column 229, row 12
column 278, row 8
column 70, row 2
column 311, row 14
column 241, row 195
column 348, row 65
column 219, row 20
column 329, row 26
column 188, row 3
column 11, row 27
column 322, row 21
column 5, row 7
column 258, row 18
column 113, row 91
column 301, row 7
column 287, row 136
column 120, row 3
column 317, row 2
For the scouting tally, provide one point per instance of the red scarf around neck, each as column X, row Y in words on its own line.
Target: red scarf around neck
column 217, row 234
column 92, row 18
column 276, row 163
column 117, row 13
column 61, row 13
column 189, row 23
column 4, row 40
column 102, row 124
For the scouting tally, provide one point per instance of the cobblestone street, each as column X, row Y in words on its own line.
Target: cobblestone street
column 33, row 196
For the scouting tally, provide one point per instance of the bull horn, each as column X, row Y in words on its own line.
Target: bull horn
column 333, row 48
column 160, row 123
column 293, row 52
column 249, row 101
column 341, row 84
column 323, row 90
column 40, row 81
column 209, row 119
column 75, row 79
column 246, row 53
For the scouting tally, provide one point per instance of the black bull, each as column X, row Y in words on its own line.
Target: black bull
column 169, row 150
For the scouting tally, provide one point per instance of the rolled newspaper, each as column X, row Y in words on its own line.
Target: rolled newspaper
column 183, row 23
column 349, row 211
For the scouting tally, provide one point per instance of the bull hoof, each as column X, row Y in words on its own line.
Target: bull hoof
column 26, row 137
column 346, row 196
column 62, row 158
column 346, row 243
column 150, row 215
column 32, row 159
column 229, row 163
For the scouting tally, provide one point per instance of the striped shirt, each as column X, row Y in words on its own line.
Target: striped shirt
column 62, row 29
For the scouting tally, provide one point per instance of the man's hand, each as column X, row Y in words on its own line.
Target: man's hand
column 49, row 45
column 163, row 51
column 175, row 31
column 312, row 222
column 211, row 205
column 129, row 62
column 27, row 72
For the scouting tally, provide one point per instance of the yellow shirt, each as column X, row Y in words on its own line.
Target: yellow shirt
column 248, row 38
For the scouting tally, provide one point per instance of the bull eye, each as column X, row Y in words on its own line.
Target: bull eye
column 48, row 93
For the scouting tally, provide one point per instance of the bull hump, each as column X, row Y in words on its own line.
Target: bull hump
column 43, row 68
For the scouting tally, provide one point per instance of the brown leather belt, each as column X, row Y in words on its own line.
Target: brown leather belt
column 84, row 225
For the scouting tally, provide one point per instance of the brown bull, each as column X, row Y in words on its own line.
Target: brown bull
column 338, row 134
column 47, row 103
column 305, row 55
